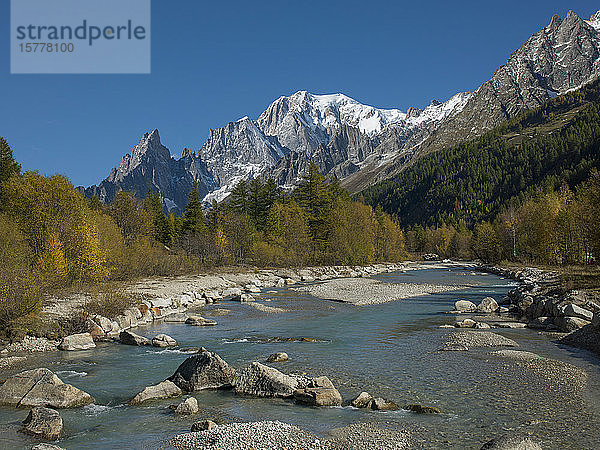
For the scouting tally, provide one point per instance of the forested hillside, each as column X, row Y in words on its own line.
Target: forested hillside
column 474, row 181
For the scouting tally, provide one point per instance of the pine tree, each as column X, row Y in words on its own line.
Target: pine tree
column 313, row 195
column 8, row 165
column 161, row 224
column 193, row 217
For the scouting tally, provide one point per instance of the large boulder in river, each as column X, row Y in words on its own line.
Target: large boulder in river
column 420, row 409
column 130, row 338
column 263, row 381
column 166, row 389
column 204, row 370
column 41, row 387
column 513, row 441
column 487, row 305
column 320, row 392
column 44, row 423
column 81, row 341
column 382, row 404
column 464, row 306
column 163, row 340
column 199, row 321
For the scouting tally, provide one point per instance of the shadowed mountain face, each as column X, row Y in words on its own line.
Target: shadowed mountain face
column 356, row 143
column 150, row 167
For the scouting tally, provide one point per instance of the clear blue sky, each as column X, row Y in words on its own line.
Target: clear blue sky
column 214, row 62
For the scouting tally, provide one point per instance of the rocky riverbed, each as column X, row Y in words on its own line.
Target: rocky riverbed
column 512, row 380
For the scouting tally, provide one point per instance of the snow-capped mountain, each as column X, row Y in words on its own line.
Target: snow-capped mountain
column 357, row 143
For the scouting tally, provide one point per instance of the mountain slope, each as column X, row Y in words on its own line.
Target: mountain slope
column 561, row 56
column 558, row 142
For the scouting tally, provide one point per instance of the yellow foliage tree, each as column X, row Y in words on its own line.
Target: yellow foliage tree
column 89, row 262
column 52, row 262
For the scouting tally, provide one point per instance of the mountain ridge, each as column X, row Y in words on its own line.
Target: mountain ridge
column 356, row 143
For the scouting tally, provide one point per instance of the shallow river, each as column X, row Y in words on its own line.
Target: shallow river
column 389, row 350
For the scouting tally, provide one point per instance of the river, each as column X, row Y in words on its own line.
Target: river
column 388, row 350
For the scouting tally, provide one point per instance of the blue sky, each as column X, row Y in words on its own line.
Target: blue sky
column 214, row 62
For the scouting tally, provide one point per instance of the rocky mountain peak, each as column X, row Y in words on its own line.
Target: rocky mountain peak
column 554, row 23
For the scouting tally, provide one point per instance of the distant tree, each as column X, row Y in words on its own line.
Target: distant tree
column 193, row 217
column 133, row 221
column 153, row 206
column 8, row 165
column 486, row 245
column 94, row 203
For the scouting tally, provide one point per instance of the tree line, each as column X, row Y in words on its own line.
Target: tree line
column 555, row 227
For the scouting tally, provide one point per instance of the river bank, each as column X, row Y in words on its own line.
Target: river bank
column 543, row 303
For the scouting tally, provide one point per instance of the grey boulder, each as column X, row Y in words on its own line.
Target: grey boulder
column 81, row 341
column 571, row 310
column 204, row 370
column 41, row 387
column 569, row 324
column 166, row 389
column 44, row 423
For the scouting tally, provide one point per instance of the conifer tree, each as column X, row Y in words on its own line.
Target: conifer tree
column 8, row 165
column 193, row 217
